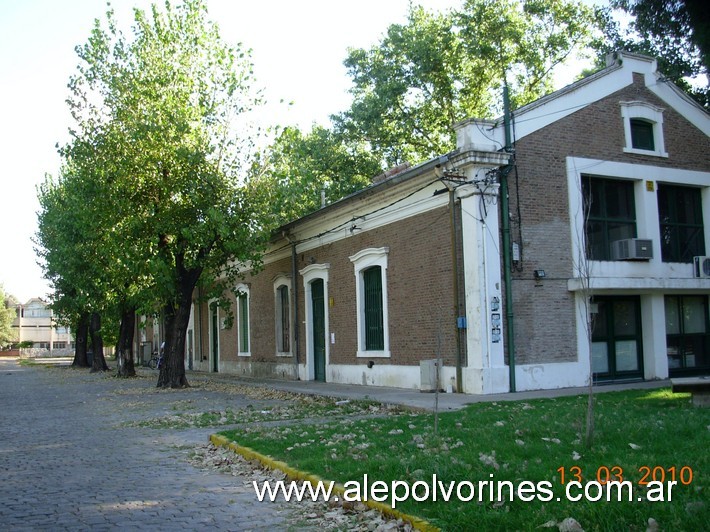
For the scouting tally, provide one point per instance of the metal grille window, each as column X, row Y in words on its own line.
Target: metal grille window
column 243, row 308
column 374, row 323
column 283, row 330
column 611, row 214
column 680, row 216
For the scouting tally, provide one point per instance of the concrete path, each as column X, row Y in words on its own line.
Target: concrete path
column 69, row 462
column 414, row 398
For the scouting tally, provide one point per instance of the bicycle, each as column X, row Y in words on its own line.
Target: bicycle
column 156, row 360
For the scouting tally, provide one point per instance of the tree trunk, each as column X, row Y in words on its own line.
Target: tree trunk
column 177, row 318
column 172, row 370
column 97, row 344
column 124, row 350
column 82, row 333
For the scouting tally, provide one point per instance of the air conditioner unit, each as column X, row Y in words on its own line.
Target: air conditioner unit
column 701, row 267
column 632, row 249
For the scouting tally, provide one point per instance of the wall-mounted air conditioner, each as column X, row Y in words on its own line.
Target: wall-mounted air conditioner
column 632, row 249
column 701, row 267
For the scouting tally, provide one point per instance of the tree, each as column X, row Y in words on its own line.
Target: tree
column 298, row 167
column 442, row 68
column 676, row 32
column 7, row 315
column 68, row 242
column 166, row 112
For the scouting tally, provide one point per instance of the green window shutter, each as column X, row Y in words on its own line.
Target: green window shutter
column 243, row 324
column 373, row 309
column 284, row 336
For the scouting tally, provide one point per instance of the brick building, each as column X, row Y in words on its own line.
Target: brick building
column 629, row 153
column 370, row 289
column 363, row 290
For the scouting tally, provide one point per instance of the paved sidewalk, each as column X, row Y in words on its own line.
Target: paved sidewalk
column 69, row 462
column 414, row 398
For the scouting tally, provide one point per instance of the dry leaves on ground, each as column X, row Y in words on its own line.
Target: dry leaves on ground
column 308, row 514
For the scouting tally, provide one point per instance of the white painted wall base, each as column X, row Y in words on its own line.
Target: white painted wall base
column 486, row 380
column 378, row 375
column 550, row 376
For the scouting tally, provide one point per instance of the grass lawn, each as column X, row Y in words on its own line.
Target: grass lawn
column 640, row 435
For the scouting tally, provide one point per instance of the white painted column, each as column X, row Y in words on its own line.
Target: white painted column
column 486, row 371
column 653, row 327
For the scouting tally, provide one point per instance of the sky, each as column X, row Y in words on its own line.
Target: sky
column 298, row 48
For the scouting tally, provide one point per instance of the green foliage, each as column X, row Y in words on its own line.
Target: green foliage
column 438, row 69
column 298, row 166
column 7, row 315
column 676, row 32
column 151, row 198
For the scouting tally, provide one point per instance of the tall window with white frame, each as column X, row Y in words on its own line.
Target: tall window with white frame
column 242, row 292
column 371, row 302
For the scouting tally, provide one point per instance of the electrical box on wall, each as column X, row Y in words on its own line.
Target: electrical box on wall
column 632, row 249
column 429, row 374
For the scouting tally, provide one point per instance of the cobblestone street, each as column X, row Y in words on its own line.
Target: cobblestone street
column 70, row 459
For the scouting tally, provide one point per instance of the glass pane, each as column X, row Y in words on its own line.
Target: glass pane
column 619, row 198
column 621, row 231
column 642, row 135
column 693, row 314
column 600, row 358
column 624, row 318
column 687, row 204
column 691, row 243
column 673, row 352
column 669, row 235
column 595, row 240
column 672, row 321
column 626, row 355
column 591, row 191
column 599, row 321
column 664, row 214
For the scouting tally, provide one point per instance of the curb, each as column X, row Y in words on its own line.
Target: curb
column 295, row 474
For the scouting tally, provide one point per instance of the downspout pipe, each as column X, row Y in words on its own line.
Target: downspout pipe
column 505, row 215
column 441, row 174
column 455, row 273
column 296, row 314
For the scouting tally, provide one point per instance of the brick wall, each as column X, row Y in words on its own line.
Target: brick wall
column 419, row 293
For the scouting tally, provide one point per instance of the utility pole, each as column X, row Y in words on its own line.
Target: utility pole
column 505, row 215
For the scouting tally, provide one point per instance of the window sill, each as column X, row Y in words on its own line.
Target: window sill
column 244, row 354
column 284, row 354
column 651, row 153
column 373, row 354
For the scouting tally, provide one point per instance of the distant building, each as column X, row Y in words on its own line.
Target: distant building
column 35, row 323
